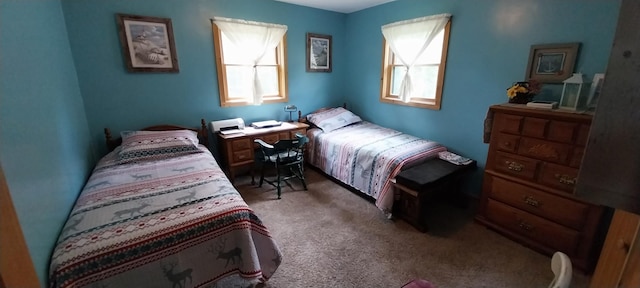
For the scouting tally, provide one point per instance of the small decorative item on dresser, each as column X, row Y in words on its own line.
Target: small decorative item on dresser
column 523, row 92
column 573, row 93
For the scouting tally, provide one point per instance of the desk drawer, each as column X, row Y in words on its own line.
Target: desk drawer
column 242, row 156
column 299, row 131
column 535, row 228
column 240, row 144
column 270, row 138
column 555, row 208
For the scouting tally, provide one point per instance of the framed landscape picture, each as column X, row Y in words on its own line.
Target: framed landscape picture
column 318, row 53
column 552, row 63
column 147, row 43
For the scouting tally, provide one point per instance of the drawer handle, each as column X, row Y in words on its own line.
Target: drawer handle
column 507, row 144
column 514, row 166
column 241, row 157
column 566, row 179
column 531, row 201
column 526, row 226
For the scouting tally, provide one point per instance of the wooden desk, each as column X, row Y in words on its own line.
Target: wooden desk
column 237, row 150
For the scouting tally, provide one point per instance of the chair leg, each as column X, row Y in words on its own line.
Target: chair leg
column 301, row 175
column 261, row 175
column 278, row 181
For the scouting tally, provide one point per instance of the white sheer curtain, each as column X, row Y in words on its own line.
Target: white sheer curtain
column 255, row 39
column 409, row 39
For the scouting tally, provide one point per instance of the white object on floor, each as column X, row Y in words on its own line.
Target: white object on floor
column 562, row 269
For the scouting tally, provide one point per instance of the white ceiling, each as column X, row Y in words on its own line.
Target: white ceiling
column 343, row 6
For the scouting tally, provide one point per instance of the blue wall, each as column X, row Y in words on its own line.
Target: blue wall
column 44, row 150
column 47, row 112
column 121, row 100
column 488, row 51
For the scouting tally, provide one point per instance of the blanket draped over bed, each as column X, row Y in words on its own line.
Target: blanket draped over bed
column 367, row 157
column 177, row 222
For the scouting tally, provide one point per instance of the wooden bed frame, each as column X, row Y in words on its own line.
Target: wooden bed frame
column 203, row 133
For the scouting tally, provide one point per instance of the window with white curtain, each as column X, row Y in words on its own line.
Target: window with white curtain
column 251, row 61
column 413, row 61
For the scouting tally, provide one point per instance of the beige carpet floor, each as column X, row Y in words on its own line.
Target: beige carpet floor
column 332, row 237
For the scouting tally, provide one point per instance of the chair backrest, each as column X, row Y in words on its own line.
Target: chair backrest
column 286, row 150
column 562, row 269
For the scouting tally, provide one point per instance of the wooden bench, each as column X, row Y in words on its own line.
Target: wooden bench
column 415, row 186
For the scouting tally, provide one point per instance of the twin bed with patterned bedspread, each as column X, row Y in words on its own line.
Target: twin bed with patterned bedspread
column 363, row 155
column 161, row 217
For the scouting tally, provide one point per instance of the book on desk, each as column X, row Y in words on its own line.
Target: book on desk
column 266, row 124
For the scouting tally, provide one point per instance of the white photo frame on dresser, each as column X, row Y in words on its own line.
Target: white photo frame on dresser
column 594, row 92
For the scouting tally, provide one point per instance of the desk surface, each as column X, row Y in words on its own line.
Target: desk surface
column 250, row 131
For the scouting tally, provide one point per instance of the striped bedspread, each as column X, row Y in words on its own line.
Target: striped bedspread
column 176, row 222
column 367, row 157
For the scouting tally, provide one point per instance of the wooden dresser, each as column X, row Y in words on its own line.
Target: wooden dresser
column 237, row 149
column 530, row 175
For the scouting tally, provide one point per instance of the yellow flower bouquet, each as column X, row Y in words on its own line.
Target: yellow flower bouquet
column 523, row 92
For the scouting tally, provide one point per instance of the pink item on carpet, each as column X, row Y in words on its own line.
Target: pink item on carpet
column 419, row 283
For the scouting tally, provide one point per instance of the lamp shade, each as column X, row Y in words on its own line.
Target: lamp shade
column 290, row 109
column 573, row 91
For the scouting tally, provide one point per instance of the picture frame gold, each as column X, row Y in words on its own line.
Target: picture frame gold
column 147, row 43
column 552, row 63
column 319, row 50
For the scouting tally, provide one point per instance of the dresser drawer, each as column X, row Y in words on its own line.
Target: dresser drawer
column 507, row 142
column 583, row 135
column 561, row 131
column 557, row 209
column 544, row 150
column 576, row 157
column 550, row 234
column 507, row 123
column 535, row 127
column 515, row 165
column 560, row 177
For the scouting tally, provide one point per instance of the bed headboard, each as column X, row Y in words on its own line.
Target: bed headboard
column 203, row 133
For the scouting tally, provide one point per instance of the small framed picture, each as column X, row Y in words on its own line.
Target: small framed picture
column 147, row 43
column 594, row 92
column 318, row 53
column 552, row 63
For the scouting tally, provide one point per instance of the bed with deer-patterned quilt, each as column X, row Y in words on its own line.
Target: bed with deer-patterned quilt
column 161, row 213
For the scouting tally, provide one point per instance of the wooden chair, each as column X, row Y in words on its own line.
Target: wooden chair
column 286, row 156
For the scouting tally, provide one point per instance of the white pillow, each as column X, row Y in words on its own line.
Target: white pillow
column 332, row 119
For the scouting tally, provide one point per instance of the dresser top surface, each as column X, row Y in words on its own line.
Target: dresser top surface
column 538, row 112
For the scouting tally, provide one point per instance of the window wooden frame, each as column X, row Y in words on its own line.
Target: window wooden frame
column 387, row 70
column 281, row 60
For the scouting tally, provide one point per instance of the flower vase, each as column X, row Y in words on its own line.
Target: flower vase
column 521, row 98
